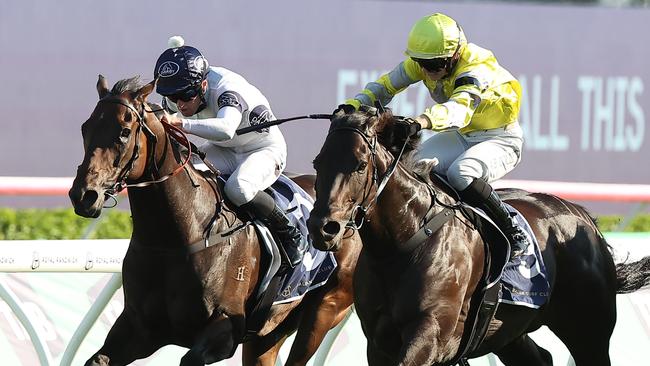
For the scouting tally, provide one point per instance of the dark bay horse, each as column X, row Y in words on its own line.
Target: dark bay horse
column 413, row 301
column 172, row 296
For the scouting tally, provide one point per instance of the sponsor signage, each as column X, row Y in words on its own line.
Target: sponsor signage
column 583, row 71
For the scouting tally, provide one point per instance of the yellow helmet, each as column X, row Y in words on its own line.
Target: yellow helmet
column 435, row 36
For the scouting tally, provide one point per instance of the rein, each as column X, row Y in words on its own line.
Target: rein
column 171, row 130
column 432, row 222
column 177, row 134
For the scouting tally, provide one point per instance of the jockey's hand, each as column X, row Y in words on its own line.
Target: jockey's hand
column 345, row 108
column 172, row 119
column 406, row 127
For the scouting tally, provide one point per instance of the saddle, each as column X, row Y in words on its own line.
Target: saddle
column 280, row 283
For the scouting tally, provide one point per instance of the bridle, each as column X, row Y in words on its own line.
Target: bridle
column 152, row 140
column 358, row 214
column 177, row 134
column 432, row 221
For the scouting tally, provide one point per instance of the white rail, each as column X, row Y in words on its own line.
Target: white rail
column 104, row 256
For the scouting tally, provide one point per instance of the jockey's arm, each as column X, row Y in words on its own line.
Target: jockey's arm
column 220, row 128
column 386, row 87
column 457, row 112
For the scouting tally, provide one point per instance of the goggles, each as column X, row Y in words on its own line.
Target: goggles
column 432, row 65
column 185, row 95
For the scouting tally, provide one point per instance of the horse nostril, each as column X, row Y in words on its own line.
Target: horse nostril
column 89, row 198
column 332, row 228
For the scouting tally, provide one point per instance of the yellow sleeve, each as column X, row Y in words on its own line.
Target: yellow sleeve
column 457, row 111
column 388, row 85
column 413, row 69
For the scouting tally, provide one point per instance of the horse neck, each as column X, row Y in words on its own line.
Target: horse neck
column 175, row 211
column 397, row 213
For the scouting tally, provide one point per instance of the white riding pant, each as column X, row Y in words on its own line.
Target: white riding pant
column 250, row 172
column 486, row 154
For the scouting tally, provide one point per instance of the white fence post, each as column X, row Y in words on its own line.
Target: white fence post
column 90, row 318
column 15, row 304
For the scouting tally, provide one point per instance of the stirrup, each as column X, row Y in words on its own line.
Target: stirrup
column 516, row 252
column 519, row 241
column 297, row 247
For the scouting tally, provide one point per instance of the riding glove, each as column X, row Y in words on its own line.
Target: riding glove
column 406, row 126
column 346, row 108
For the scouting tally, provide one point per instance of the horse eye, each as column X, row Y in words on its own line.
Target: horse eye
column 362, row 166
column 125, row 133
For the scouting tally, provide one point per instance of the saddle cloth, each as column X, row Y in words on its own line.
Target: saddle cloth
column 317, row 265
column 524, row 279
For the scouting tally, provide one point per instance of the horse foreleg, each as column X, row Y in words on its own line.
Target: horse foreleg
column 524, row 351
column 262, row 351
column 124, row 344
column 429, row 340
column 217, row 342
column 377, row 356
column 316, row 321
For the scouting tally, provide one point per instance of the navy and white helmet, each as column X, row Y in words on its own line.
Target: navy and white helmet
column 179, row 68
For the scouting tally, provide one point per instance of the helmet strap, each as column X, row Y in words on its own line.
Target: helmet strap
column 451, row 61
column 204, row 103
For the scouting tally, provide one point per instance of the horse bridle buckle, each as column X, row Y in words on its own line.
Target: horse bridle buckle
column 358, row 217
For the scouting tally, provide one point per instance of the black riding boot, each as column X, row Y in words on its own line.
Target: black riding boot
column 480, row 194
column 294, row 243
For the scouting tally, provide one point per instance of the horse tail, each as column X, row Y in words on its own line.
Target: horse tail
column 632, row 276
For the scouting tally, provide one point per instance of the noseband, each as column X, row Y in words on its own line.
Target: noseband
column 358, row 215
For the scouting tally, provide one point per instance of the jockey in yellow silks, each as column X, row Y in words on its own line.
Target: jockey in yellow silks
column 479, row 139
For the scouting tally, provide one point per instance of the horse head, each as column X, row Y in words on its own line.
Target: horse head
column 352, row 168
column 119, row 139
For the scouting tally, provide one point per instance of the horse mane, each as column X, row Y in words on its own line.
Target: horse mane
column 131, row 84
column 384, row 127
column 134, row 84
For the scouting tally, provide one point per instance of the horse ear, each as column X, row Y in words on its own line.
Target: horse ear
column 102, row 86
column 144, row 92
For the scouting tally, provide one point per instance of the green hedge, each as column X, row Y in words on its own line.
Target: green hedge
column 640, row 223
column 31, row 224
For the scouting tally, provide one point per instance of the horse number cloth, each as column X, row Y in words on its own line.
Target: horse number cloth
column 316, row 265
column 524, row 278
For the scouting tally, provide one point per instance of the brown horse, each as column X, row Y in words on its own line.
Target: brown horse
column 172, row 296
column 413, row 300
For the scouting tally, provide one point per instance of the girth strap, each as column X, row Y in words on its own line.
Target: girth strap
column 215, row 239
column 434, row 224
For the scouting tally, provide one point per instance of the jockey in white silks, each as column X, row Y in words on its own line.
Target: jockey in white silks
column 212, row 103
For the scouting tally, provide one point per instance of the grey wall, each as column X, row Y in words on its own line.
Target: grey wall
column 583, row 69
